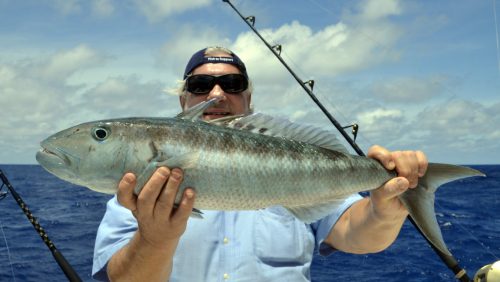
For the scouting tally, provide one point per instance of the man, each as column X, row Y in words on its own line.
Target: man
column 143, row 238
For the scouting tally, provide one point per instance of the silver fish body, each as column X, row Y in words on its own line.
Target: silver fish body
column 249, row 164
column 234, row 170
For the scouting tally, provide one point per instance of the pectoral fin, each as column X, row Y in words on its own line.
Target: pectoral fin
column 184, row 161
column 195, row 213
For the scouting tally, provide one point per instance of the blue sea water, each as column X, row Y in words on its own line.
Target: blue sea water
column 468, row 212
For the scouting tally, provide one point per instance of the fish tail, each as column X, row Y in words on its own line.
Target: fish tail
column 420, row 201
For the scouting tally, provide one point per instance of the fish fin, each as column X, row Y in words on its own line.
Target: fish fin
column 144, row 177
column 224, row 120
column 312, row 213
column 420, row 201
column 280, row 127
column 184, row 161
column 196, row 111
column 195, row 213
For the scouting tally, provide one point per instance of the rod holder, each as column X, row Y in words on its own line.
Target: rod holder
column 277, row 48
column 309, row 83
column 251, row 20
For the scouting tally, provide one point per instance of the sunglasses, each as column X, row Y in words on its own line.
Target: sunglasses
column 201, row 84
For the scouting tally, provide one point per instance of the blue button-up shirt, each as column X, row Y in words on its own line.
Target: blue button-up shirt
column 263, row 245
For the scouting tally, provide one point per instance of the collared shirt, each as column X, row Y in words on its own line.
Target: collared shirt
column 262, row 245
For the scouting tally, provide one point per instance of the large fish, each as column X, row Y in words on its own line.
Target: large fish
column 245, row 164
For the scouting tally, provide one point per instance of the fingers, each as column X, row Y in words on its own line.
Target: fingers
column 408, row 164
column 147, row 198
column 423, row 163
column 411, row 165
column 158, row 196
column 125, row 193
column 158, row 221
column 394, row 188
column 185, row 207
column 385, row 199
column 166, row 199
column 382, row 155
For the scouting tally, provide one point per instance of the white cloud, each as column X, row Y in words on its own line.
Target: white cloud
column 127, row 96
column 459, row 119
column 409, row 89
column 42, row 94
column 372, row 10
column 324, row 52
column 67, row 7
column 156, row 10
column 153, row 10
column 373, row 117
column 379, row 125
column 187, row 39
column 66, row 63
column 102, row 8
column 37, row 99
column 27, row 90
column 334, row 49
column 463, row 129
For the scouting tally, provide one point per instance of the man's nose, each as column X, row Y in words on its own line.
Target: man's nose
column 216, row 92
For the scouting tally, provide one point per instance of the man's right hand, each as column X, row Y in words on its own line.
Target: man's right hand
column 159, row 222
column 149, row 254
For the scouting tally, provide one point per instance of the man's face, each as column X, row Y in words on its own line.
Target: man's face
column 229, row 104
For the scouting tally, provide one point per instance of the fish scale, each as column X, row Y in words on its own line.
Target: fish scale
column 248, row 163
column 269, row 171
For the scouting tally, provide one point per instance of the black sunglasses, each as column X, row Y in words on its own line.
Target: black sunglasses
column 200, row 84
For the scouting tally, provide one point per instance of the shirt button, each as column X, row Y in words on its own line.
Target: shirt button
column 226, row 276
column 226, row 240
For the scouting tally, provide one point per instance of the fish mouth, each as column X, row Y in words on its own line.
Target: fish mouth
column 53, row 157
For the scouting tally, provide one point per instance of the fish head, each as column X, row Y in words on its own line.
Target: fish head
column 92, row 154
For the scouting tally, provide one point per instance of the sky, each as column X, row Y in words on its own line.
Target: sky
column 414, row 75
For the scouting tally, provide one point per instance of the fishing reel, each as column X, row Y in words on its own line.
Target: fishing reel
column 488, row 273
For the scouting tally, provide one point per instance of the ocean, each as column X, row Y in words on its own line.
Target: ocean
column 468, row 212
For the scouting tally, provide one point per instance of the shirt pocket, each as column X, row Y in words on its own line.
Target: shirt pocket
column 280, row 239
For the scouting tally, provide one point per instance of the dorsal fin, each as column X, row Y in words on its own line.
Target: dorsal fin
column 280, row 127
column 196, row 111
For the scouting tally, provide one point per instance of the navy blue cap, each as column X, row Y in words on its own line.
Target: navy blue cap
column 199, row 58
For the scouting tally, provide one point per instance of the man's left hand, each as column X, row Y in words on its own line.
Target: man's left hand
column 409, row 165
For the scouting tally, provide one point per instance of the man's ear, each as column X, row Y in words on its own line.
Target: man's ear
column 182, row 100
column 249, row 98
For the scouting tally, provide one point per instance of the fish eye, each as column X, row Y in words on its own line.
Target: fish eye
column 100, row 133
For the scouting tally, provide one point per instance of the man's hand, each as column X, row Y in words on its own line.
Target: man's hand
column 409, row 165
column 373, row 223
column 159, row 222
column 149, row 254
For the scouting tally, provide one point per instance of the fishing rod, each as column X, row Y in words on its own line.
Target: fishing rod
column 58, row 256
column 276, row 49
column 449, row 261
